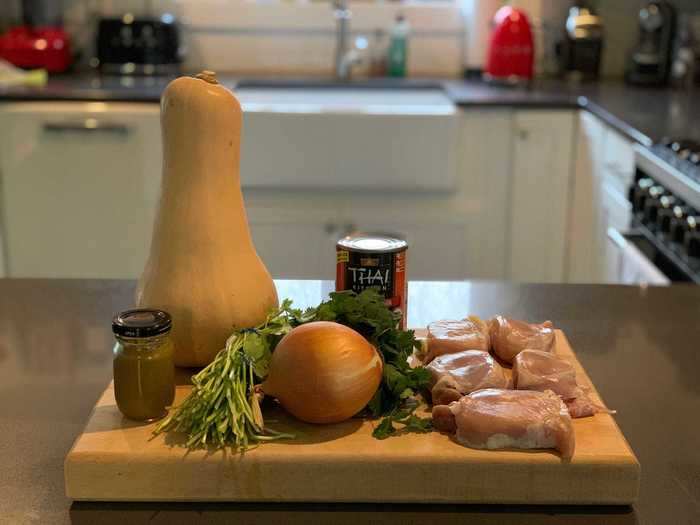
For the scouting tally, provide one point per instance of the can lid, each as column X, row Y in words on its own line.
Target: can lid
column 372, row 243
column 141, row 322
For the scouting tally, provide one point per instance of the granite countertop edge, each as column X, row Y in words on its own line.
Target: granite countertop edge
column 640, row 114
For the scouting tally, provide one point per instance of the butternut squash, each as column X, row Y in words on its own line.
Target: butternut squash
column 203, row 268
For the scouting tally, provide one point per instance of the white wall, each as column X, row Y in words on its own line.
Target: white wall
column 477, row 16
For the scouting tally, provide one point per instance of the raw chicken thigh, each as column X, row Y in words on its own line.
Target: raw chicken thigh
column 496, row 419
column 538, row 370
column 509, row 337
column 455, row 375
column 450, row 337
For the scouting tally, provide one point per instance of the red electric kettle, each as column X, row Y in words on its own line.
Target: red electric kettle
column 511, row 52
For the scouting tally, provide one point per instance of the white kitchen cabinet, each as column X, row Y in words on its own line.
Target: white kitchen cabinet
column 618, row 160
column 438, row 247
column 460, row 235
column 484, row 189
column 295, row 237
column 585, row 264
column 540, row 195
column 80, row 183
column 604, row 170
column 2, row 246
column 615, row 215
column 301, row 243
column 456, row 235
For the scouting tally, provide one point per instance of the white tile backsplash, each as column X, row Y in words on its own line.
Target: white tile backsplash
column 300, row 39
column 241, row 36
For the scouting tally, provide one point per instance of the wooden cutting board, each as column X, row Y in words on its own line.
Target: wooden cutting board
column 116, row 460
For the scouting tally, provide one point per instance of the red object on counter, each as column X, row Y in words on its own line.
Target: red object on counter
column 511, row 53
column 41, row 47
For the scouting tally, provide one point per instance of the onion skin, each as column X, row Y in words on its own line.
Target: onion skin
column 323, row 372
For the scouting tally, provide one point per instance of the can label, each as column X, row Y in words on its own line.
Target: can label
column 384, row 271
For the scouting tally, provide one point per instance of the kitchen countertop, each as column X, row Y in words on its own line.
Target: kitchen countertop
column 638, row 344
column 643, row 114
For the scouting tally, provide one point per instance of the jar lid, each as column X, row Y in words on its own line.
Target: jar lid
column 141, row 322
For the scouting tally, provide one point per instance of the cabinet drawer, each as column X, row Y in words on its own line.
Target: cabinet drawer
column 618, row 208
column 437, row 250
column 541, row 195
column 295, row 250
column 80, row 187
column 618, row 160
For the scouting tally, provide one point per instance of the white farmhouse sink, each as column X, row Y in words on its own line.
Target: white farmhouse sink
column 348, row 138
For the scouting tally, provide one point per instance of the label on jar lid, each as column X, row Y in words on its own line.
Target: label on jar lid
column 141, row 322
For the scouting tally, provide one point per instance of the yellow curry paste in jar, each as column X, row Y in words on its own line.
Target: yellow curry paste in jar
column 144, row 373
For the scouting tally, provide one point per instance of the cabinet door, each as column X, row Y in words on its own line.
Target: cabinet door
column 437, row 248
column 3, row 264
column 301, row 245
column 585, row 264
column 294, row 250
column 80, row 186
column 612, row 256
column 294, row 232
column 484, row 187
column 615, row 213
column 618, row 162
column 540, row 199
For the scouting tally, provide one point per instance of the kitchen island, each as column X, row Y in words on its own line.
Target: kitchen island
column 638, row 344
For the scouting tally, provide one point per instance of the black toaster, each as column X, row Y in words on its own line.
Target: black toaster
column 130, row 45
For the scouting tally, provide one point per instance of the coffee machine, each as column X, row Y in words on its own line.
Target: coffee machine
column 650, row 61
column 581, row 48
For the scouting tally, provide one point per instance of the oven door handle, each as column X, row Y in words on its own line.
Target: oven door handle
column 635, row 267
column 88, row 125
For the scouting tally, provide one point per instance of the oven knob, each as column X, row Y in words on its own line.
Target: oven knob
column 639, row 193
column 651, row 205
column 692, row 236
column 665, row 213
column 679, row 224
column 684, row 154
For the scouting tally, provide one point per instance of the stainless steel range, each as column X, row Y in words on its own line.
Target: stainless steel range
column 665, row 200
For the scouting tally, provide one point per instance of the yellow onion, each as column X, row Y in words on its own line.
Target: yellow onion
column 323, row 372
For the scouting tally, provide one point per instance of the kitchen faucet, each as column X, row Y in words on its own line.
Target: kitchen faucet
column 345, row 57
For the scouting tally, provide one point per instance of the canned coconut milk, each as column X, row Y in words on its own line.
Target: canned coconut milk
column 366, row 260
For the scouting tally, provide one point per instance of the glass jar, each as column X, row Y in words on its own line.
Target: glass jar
column 144, row 373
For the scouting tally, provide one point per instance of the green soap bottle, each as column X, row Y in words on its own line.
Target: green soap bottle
column 398, row 47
